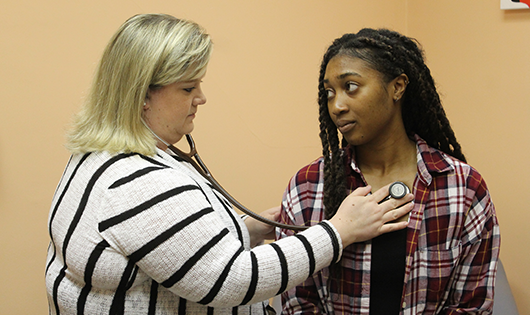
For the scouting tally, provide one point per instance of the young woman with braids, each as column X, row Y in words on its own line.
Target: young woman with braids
column 375, row 89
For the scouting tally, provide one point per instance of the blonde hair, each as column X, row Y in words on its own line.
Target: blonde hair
column 147, row 52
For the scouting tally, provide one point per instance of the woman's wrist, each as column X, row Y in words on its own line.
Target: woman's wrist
column 256, row 238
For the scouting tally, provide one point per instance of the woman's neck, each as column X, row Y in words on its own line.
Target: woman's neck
column 387, row 161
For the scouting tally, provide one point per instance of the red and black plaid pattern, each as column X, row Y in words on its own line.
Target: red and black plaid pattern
column 452, row 243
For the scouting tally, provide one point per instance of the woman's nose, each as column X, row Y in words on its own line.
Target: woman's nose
column 200, row 99
column 337, row 106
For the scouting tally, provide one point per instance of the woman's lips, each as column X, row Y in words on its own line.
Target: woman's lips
column 346, row 126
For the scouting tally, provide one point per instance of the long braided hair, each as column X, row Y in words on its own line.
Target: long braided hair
column 391, row 54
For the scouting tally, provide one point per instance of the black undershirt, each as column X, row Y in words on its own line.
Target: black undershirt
column 387, row 272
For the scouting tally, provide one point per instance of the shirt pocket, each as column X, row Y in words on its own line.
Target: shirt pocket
column 435, row 268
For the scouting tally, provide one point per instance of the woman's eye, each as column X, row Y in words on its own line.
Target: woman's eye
column 350, row 87
column 330, row 94
column 189, row 89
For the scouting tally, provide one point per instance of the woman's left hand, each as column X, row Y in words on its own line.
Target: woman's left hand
column 260, row 231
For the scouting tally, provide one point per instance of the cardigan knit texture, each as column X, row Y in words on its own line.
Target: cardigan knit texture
column 132, row 234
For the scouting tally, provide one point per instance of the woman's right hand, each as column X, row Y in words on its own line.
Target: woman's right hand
column 360, row 217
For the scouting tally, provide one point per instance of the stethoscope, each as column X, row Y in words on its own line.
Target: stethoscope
column 397, row 190
column 194, row 159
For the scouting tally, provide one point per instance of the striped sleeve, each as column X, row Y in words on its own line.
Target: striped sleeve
column 182, row 242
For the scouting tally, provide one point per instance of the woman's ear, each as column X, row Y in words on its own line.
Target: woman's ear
column 146, row 102
column 400, row 85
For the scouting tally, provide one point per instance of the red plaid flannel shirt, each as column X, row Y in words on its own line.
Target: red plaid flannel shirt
column 452, row 243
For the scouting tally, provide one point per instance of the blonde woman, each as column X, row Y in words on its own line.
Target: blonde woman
column 136, row 230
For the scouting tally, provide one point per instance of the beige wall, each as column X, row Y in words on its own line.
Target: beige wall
column 260, row 123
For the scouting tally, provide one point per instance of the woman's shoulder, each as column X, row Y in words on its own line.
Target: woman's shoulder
column 132, row 179
column 133, row 169
column 310, row 173
column 458, row 167
column 438, row 163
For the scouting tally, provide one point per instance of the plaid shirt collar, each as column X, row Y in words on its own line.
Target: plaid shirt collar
column 430, row 161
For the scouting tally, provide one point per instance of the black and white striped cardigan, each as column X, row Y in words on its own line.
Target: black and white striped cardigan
column 132, row 234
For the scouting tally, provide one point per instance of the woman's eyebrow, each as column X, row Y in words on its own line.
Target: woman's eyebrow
column 344, row 75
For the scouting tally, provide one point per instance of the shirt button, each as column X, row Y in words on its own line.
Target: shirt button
column 404, row 305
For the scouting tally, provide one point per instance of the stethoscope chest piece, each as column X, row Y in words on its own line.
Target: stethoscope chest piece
column 398, row 190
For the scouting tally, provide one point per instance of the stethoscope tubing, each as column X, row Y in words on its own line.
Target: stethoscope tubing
column 195, row 160
column 397, row 190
